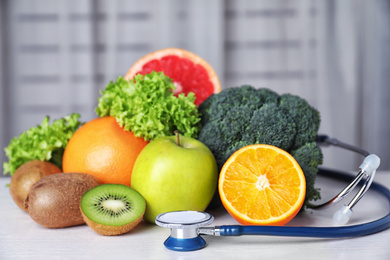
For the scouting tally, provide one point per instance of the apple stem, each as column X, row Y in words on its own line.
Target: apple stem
column 177, row 137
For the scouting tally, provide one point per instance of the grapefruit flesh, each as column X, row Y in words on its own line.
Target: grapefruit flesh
column 189, row 72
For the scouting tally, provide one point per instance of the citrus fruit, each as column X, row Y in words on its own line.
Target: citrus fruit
column 189, row 72
column 103, row 149
column 262, row 185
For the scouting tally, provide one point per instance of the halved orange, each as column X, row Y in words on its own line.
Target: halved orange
column 189, row 72
column 262, row 185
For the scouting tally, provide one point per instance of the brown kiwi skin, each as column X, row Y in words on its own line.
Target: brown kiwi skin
column 26, row 175
column 54, row 200
column 111, row 230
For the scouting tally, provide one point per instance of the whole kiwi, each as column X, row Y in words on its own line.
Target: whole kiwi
column 26, row 175
column 54, row 200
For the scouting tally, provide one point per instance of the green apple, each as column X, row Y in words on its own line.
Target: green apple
column 175, row 173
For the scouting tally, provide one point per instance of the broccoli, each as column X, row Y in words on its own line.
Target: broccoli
column 217, row 105
column 309, row 156
column 306, row 117
column 268, row 122
column 244, row 115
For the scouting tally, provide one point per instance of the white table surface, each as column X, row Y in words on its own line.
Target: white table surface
column 21, row 238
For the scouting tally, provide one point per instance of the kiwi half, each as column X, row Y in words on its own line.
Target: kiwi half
column 112, row 209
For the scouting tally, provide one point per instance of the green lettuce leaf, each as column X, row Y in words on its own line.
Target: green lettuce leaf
column 45, row 142
column 147, row 107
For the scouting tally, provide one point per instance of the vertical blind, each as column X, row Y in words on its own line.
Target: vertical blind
column 55, row 56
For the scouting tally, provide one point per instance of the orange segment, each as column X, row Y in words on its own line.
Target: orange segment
column 189, row 72
column 262, row 185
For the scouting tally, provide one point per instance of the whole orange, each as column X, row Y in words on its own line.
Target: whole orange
column 103, row 149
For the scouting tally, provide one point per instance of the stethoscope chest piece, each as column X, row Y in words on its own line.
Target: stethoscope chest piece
column 184, row 229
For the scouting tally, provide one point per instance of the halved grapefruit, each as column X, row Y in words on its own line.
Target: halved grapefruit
column 189, row 72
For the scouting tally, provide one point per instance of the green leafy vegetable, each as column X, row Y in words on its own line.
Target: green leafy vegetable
column 45, row 142
column 147, row 107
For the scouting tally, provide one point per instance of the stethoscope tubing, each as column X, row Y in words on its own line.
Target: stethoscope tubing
column 187, row 237
column 318, row 232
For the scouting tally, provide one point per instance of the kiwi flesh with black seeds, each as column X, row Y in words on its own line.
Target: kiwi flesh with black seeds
column 112, row 209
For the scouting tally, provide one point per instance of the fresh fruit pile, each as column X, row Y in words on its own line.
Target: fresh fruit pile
column 140, row 157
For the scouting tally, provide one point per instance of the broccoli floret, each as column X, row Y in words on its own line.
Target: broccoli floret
column 309, row 156
column 246, row 95
column 217, row 105
column 216, row 140
column 224, row 134
column 305, row 116
column 268, row 122
column 241, row 116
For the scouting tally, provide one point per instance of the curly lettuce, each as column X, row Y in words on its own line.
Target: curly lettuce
column 44, row 142
column 147, row 107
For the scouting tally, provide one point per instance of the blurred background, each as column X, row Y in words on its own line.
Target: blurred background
column 55, row 56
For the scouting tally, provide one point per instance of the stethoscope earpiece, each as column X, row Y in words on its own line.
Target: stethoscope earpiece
column 342, row 216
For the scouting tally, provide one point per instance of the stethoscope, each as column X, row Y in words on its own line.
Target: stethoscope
column 187, row 226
